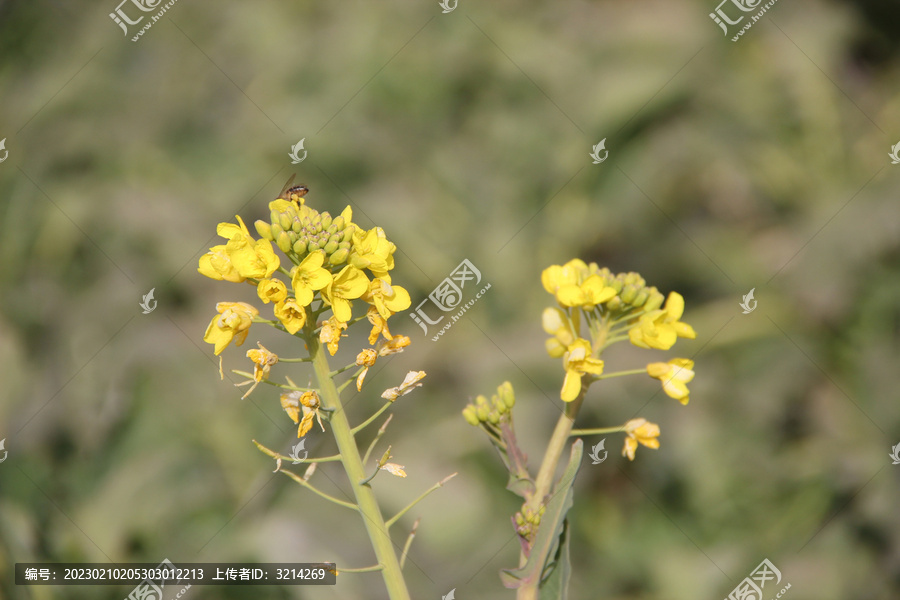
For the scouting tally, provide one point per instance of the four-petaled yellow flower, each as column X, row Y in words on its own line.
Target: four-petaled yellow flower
column 291, row 315
column 577, row 361
column 309, row 276
column 386, row 298
column 251, row 258
column 216, row 264
column 349, row 284
column 373, row 251
column 660, row 328
column 674, row 375
column 271, row 290
column 331, row 334
column 232, row 323
column 379, row 325
column 573, row 285
column 640, row 430
column 366, row 359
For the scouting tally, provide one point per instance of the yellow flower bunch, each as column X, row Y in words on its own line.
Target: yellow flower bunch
column 330, row 257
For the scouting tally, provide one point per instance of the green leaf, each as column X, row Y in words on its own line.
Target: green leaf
column 520, row 486
column 556, row 584
column 549, row 540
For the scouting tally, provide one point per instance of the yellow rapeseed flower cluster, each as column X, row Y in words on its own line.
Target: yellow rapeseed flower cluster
column 335, row 262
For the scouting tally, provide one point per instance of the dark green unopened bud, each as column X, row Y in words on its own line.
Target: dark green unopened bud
column 264, row 230
column 284, row 242
column 470, row 415
column 339, row 256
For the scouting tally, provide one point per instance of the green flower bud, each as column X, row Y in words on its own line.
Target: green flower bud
column 264, row 230
column 629, row 293
column 276, row 231
column 299, row 247
column 296, row 226
column 507, row 395
column 338, row 223
column 654, row 301
column 494, row 417
column 284, row 221
column 348, row 235
column 616, row 284
column 614, row 304
column 284, row 242
column 326, row 220
column 470, row 415
column 641, row 298
column 520, row 520
column 330, row 247
column 481, row 400
column 482, row 412
column 312, row 246
column 339, row 257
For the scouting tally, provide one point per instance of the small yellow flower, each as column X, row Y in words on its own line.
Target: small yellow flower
column 216, row 264
column 394, row 345
column 366, row 359
column 271, row 290
column 308, row 402
column 379, row 325
column 573, row 285
column 412, row 381
column 251, row 258
column 232, row 323
column 349, row 284
column 291, row 315
column 674, row 375
column 660, row 328
column 577, row 361
column 309, row 276
column 640, row 430
column 394, row 469
column 386, row 298
column 331, row 334
column 372, row 250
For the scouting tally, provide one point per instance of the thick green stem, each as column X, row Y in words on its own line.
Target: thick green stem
column 545, row 475
column 353, row 465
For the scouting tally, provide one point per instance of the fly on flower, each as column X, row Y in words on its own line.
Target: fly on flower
column 293, row 192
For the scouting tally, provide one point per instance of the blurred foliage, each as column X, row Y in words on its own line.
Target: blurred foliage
column 758, row 164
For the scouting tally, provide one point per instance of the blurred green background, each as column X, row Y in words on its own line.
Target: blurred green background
column 758, row 164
